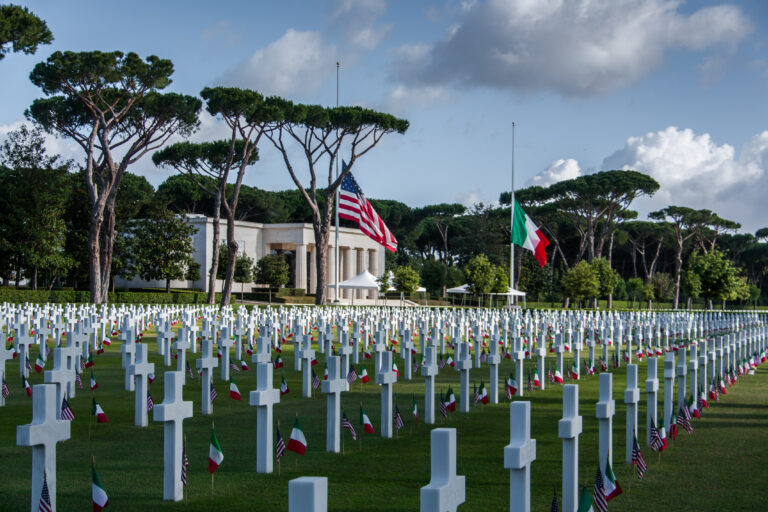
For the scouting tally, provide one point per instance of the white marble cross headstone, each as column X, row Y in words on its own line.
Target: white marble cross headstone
column 493, row 361
column 518, row 456
column 307, row 355
column 264, row 398
column 42, row 435
column 569, row 428
column 225, row 343
column 631, row 398
column 333, row 387
column 5, row 355
column 463, row 365
column 386, row 378
column 606, row 408
column 140, row 370
column 651, row 390
column 429, row 371
column 172, row 412
column 669, row 385
column 446, row 490
column 181, row 345
column 23, row 342
column 206, row 364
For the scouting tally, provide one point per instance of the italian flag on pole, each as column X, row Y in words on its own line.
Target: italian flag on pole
column 215, row 455
column 611, row 486
column 365, row 421
column 100, row 499
column 234, row 393
column 101, row 416
column 527, row 235
column 297, row 443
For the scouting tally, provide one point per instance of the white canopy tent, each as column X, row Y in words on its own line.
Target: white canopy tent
column 362, row 281
column 459, row 289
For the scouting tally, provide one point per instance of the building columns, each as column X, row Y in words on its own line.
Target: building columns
column 300, row 270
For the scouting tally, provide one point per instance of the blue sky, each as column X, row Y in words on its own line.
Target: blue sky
column 675, row 89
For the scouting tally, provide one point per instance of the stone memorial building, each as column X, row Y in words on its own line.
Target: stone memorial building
column 357, row 252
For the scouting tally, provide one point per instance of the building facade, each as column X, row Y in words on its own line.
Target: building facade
column 357, row 252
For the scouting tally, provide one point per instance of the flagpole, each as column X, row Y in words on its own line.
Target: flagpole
column 336, row 242
column 512, row 222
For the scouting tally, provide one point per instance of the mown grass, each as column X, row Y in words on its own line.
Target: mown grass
column 722, row 466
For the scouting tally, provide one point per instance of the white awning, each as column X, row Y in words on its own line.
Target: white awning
column 362, row 281
column 459, row 289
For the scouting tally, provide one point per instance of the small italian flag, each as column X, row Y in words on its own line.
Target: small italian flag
column 234, row 393
column 243, row 366
column 215, row 455
column 611, row 486
column 662, row 435
column 364, row 375
column 585, row 501
column 365, row 421
column 527, row 235
column 574, row 371
column 100, row 499
column 536, row 381
column 27, row 387
column 39, row 363
column 97, row 411
column 89, row 362
column 511, row 386
column 395, row 369
column 94, row 384
column 451, row 403
column 450, row 362
column 297, row 443
column 284, row 387
column 484, row 398
column 415, row 409
column 558, row 377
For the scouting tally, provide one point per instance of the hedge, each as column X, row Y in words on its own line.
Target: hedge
column 21, row 296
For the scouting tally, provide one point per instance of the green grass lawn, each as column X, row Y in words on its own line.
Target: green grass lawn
column 721, row 467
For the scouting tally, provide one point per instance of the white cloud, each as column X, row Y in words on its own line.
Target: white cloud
column 469, row 199
column 294, row 64
column 401, row 98
column 693, row 170
column 575, row 47
column 559, row 170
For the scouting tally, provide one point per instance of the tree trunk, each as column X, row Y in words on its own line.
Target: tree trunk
column 94, row 255
column 34, row 279
column 610, row 301
column 215, row 258
column 321, row 245
column 167, row 286
column 226, row 292
column 566, row 302
column 678, row 268
column 106, row 246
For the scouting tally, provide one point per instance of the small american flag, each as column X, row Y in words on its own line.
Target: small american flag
column 315, row 380
column 184, row 463
column 443, row 407
column 213, row 393
column 656, row 442
column 82, row 364
column 477, row 396
column 189, row 370
column 352, row 375
column 234, row 367
column 279, row 446
column 551, row 376
column 345, row 423
column 29, row 366
column 598, row 493
column 684, row 419
column 45, row 497
column 415, row 366
column 150, row 402
column 66, row 410
column 354, row 206
column 399, row 423
column 554, row 507
column 530, row 383
column 637, row 460
column 79, row 380
column 6, row 390
column 442, row 362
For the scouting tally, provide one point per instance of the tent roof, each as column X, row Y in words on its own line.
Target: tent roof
column 459, row 289
column 362, row 281
column 511, row 291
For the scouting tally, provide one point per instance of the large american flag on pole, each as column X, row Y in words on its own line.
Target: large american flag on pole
column 355, row 207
